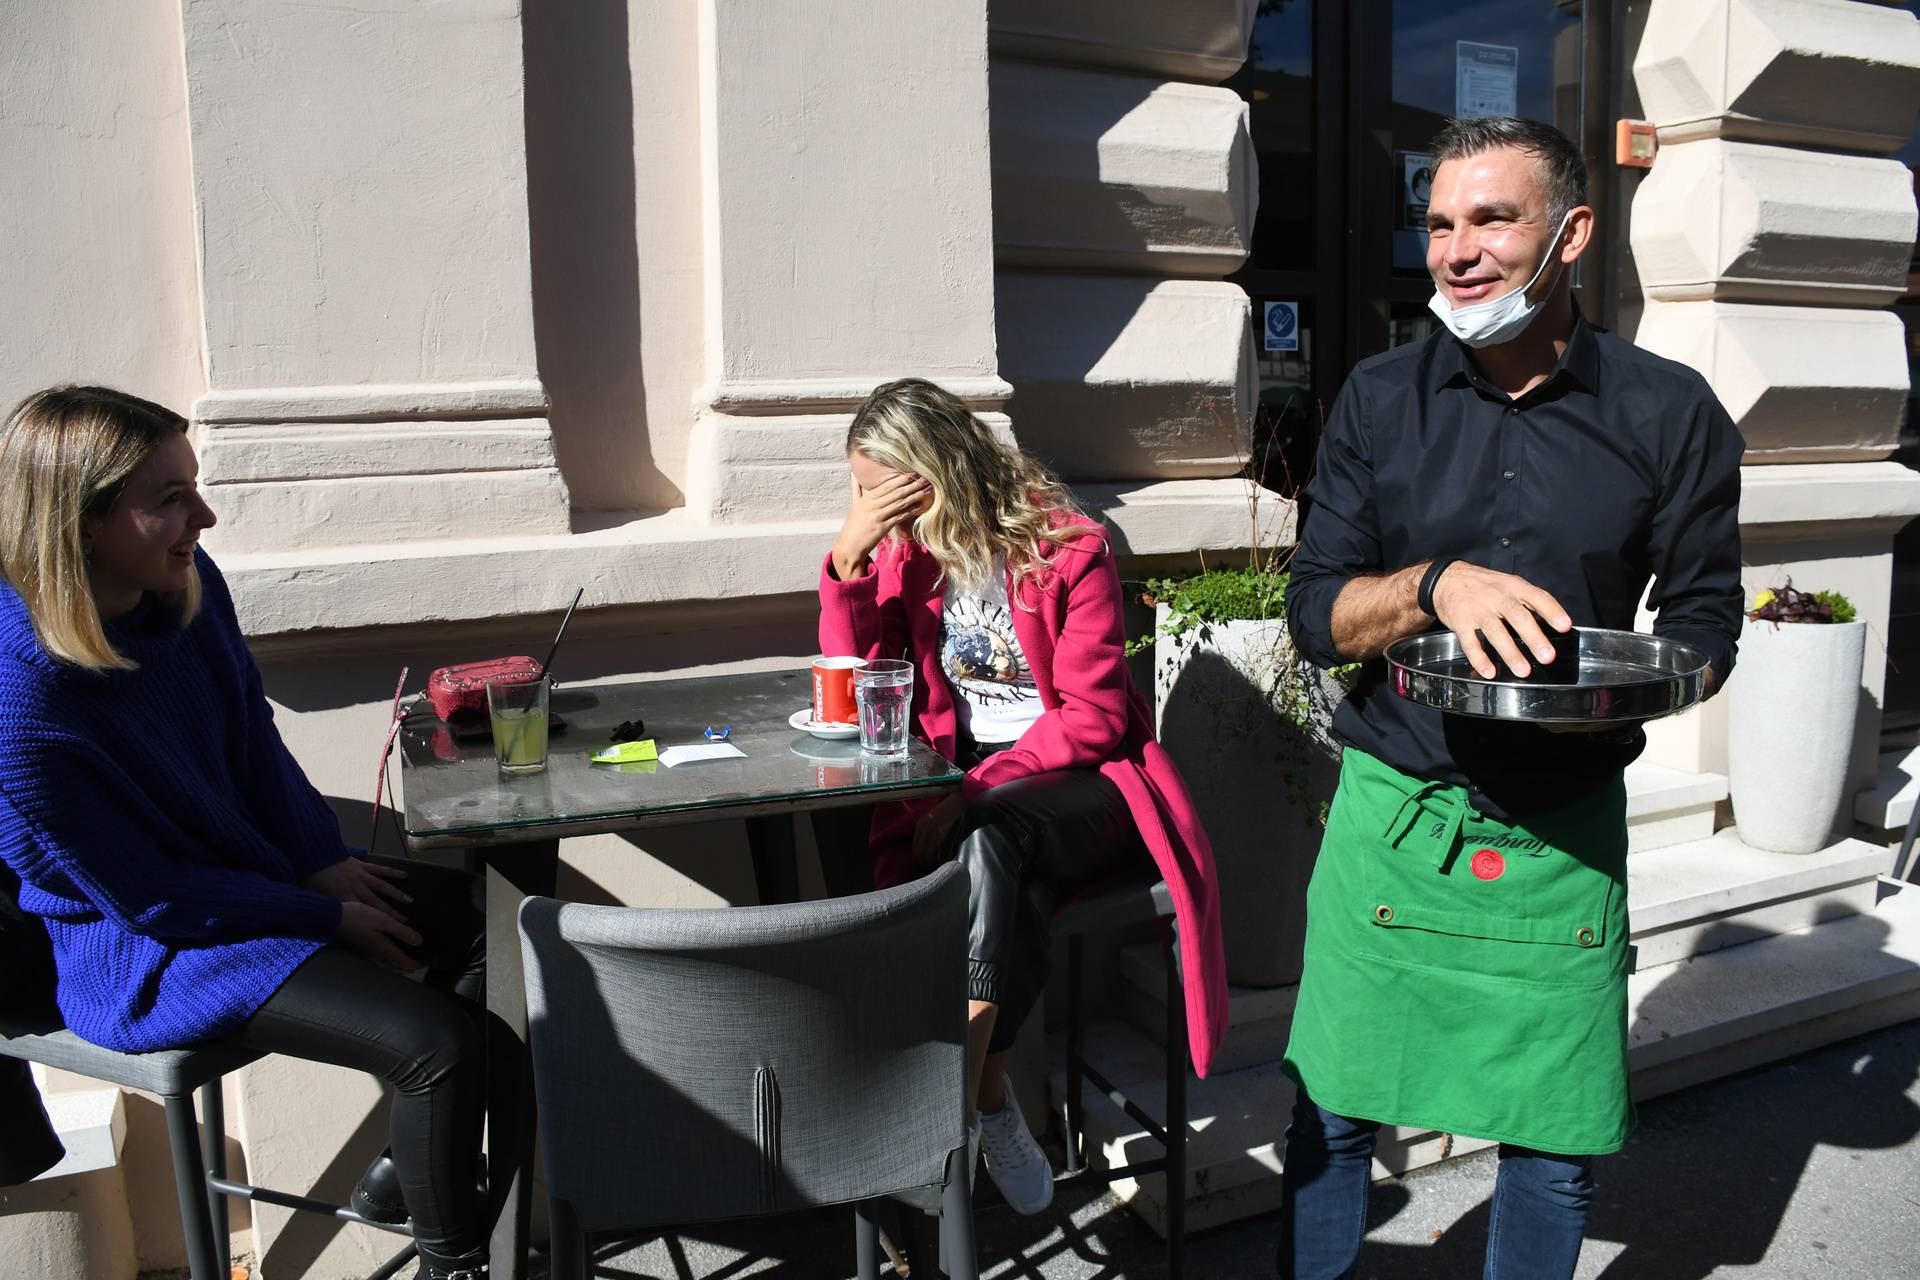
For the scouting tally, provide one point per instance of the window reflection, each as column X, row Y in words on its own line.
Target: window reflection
column 1474, row 57
column 1277, row 83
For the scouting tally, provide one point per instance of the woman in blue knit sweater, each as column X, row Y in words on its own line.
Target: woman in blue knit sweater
column 192, row 881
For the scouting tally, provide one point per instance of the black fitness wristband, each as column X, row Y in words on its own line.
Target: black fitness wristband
column 1430, row 579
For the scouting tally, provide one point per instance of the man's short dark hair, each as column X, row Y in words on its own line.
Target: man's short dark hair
column 1563, row 174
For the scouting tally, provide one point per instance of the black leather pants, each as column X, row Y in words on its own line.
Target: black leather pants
column 428, row 1039
column 1027, row 845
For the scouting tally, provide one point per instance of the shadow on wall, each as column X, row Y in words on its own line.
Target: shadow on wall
column 586, row 271
column 305, row 1236
column 611, row 644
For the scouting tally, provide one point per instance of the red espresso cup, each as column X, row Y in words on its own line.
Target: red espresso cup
column 833, row 690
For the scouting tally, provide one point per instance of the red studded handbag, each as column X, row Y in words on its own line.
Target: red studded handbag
column 462, row 689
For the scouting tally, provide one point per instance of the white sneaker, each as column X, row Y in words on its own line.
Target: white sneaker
column 1014, row 1160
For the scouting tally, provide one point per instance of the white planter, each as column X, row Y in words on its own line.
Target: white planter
column 1791, row 705
column 1213, row 699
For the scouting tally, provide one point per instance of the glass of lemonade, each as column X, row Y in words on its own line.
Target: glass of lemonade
column 883, row 691
column 519, row 711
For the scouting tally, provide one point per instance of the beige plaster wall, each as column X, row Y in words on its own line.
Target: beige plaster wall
column 383, row 280
column 96, row 210
column 75, row 1228
column 362, row 191
column 97, row 269
column 848, row 215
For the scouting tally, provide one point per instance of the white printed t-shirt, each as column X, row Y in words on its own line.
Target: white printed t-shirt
column 981, row 657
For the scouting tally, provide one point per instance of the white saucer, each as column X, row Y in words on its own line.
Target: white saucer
column 803, row 720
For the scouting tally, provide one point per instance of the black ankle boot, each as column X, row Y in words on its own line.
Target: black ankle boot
column 471, row 1265
column 377, row 1196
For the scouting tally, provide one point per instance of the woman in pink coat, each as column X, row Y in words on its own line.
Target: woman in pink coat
column 965, row 556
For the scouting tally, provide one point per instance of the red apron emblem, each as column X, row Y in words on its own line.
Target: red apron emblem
column 1488, row 865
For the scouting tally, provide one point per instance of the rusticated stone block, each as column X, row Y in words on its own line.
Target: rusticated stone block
column 1830, row 73
column 1190, row 40
column 1805, row 384
column 1093, row 170
column 1736, row 220
column 1125, row 378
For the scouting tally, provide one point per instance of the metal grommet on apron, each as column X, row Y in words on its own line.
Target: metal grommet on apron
column 1583, row 936
column 1383, row 913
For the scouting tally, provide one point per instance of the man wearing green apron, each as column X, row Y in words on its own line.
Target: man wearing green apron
column 1516, row 474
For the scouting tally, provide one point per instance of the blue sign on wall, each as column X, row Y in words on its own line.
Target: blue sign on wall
column 1282, row 326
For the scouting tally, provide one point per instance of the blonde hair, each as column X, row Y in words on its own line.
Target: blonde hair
column 990, row 500
column 65, row 455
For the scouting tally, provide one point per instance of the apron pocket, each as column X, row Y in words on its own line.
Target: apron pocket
column 1499, row 907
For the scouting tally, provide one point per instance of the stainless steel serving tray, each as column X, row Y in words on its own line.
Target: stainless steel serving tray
column 1620, row 675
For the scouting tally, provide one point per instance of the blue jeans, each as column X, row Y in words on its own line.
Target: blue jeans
column 1539, row 1202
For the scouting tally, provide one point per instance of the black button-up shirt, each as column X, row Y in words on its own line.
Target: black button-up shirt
column 1621, row 467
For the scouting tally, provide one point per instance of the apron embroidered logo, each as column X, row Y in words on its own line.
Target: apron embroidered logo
column 1515, row 844
column 1488, row 865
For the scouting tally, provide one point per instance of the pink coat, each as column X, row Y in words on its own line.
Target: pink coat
column 1068, row 620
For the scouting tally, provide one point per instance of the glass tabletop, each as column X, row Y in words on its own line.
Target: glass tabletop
column 455, row 794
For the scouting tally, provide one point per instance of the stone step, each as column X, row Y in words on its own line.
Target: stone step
column 1888, row 804
column 1685, row 900
column 92, row 1124
column 1692, row 1021
column 1710, row 894
column 1666, row 807
column 1729, row 1010
column 1257, row 1017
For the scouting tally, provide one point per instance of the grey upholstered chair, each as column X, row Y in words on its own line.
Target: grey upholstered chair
column 694, row 1065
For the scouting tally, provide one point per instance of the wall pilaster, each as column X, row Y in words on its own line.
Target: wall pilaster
column 848, row 238
column 365, row 295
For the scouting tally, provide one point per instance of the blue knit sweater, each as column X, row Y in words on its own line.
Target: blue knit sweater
column 158, row 825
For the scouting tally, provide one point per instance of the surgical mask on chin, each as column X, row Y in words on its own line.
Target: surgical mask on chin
column 1487, row 324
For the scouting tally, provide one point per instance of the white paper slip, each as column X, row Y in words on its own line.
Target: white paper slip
column 671, row 756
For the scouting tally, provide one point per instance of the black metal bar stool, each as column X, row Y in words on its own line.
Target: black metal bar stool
column 199, row 1176
column 1111, row 905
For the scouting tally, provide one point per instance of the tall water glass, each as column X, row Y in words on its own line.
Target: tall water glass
column 883, row 690
column 519, row 711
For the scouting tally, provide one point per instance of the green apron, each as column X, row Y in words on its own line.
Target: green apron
column 1464, row 975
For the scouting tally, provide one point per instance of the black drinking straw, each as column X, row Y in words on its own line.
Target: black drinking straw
column 561, row 633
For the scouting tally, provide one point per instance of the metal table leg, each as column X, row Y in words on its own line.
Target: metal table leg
column 846, row 860
column 513, row 872
column 775, row 871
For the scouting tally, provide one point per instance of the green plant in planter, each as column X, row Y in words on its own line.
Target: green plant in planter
column 1784, row 604
column 1252, row 594
column 1288, row 685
